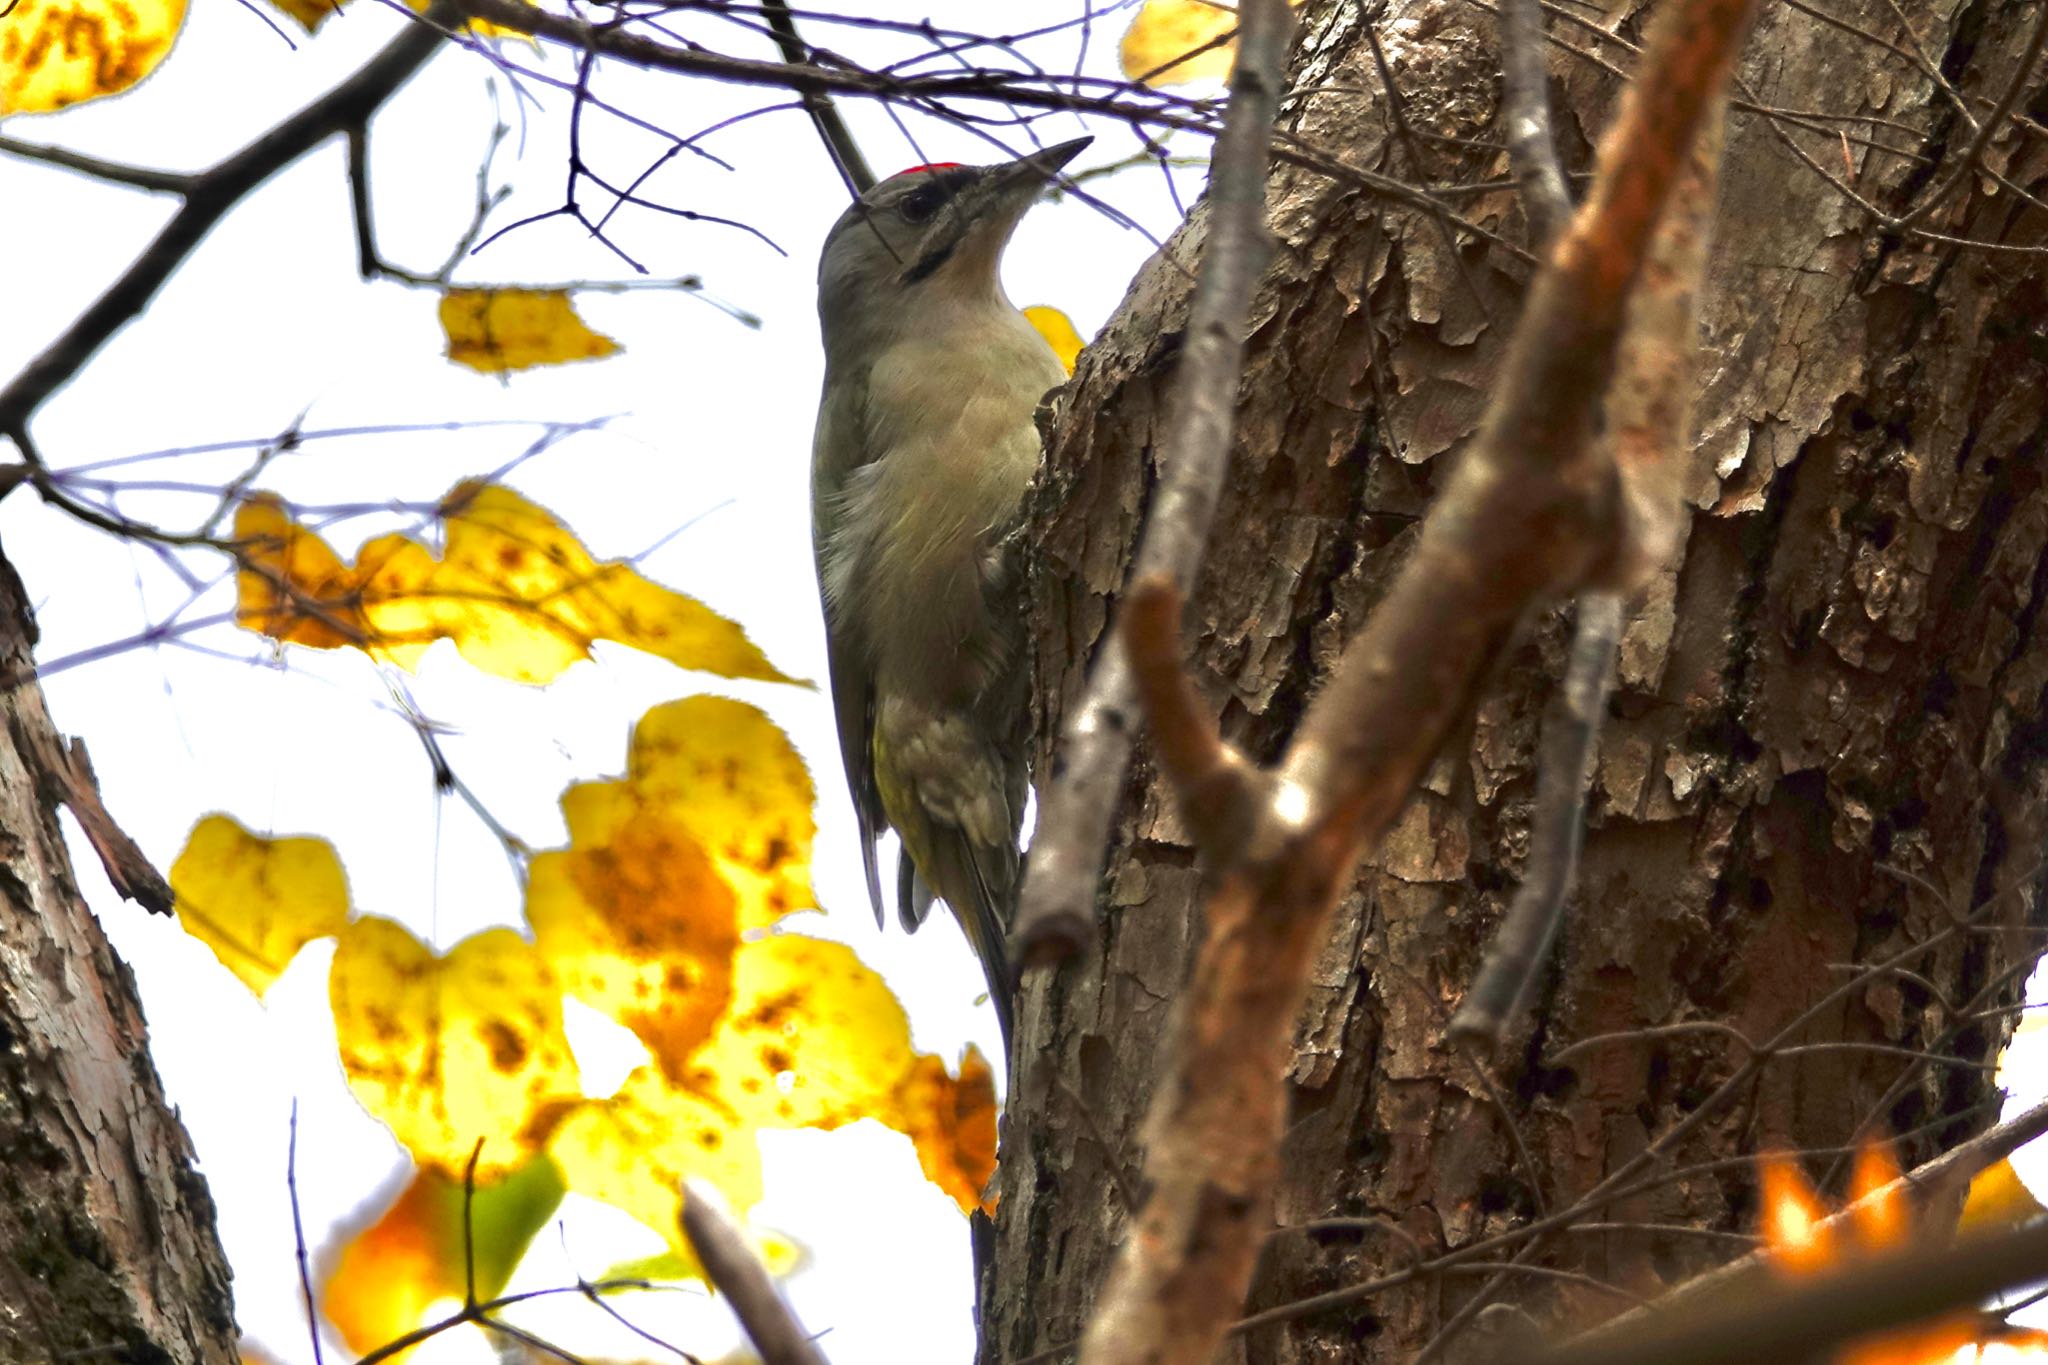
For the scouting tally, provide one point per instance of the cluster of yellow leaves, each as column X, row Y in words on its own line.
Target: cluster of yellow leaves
column 512, row 587
column 501, row 330
column 659, row 914
column 1804, row 1242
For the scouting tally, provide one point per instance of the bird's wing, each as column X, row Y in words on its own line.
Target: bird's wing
column 853, row 708
column 841, row 451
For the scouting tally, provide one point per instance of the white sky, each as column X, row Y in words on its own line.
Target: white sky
column 268, row 320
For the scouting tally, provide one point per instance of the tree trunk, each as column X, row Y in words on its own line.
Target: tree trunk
column 107, row 1245
column 1842, row 675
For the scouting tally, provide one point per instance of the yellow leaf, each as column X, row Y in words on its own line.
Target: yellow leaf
column 290, row 585
column 641, row 929
column 725, row 772
column 1997, row 1199
column 448, row 1050
column 256, row 901
column 952, row 1123
column 1157, row 47
column 499, row 330
column 415, row 1255
column 810, row 1038
column 1058, row 330
column 55, row 53
column 634, row 1149
column 517, row 592
column 813, row 1039
column 310, row 14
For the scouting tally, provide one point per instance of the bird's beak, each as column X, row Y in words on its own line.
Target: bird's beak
column 1039, row 167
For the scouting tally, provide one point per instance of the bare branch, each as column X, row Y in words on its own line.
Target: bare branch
column 1806, row 1320
column 1525, row 108
column 736, row 1272
column 208, row 196
column 832, row 129
column 1056, row 911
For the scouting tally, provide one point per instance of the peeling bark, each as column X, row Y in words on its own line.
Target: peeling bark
column 1842, row 671
column 107, row 1245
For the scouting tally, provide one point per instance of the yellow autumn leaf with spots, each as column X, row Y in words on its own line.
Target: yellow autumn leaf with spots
column 289, row 584
column 1173, row 42
column 445, row 1050
column 501, row 330
column 56, row 53
column 513, row 588
column 952, row 1123
column 255, row 901
column 634, row 1149
column 727, row 774
column 1058, row 330
column 810, row 1038
column 640, row 928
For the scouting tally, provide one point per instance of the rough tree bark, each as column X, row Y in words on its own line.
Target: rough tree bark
column 107, row 1244
column 1843, row 673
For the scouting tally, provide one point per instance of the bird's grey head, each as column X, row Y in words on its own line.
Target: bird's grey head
column 940, row 227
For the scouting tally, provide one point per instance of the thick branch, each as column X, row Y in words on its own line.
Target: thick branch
column 1056, row 913
column 208, row 196
column 832, row 129
column 1806, row 1320
column 1948, row 1174
column 736, row 1272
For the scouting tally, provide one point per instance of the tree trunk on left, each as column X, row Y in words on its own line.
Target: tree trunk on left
column 107, row 1244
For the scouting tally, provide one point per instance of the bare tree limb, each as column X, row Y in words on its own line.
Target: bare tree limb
column 208, row 196
column 1805, row 1320
column 736, row 1272
column 1056, row 910
column 1951, row 1172
column 1525, row 108
column 832, row 130
column 1571, row 736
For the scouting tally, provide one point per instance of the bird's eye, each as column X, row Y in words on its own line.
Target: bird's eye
column 921, row 203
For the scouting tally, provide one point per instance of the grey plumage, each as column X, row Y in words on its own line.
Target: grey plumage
column 925, row 445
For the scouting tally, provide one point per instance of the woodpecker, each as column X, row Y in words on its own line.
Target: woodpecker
column 925, row 444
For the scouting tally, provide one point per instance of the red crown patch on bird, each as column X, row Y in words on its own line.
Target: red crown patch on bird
column 932, row 166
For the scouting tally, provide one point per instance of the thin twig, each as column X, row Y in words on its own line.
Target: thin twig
column 291, row 1186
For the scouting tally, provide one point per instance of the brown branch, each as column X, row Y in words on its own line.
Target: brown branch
column 1532, row 509
column 208, row 196
column 1806, row 1320
column 1218, row 792
column 736, row 1272
column 832, row 130
column 1056, row 912
column 135, row 177
column 1926, row 1184
column 1571, row 734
